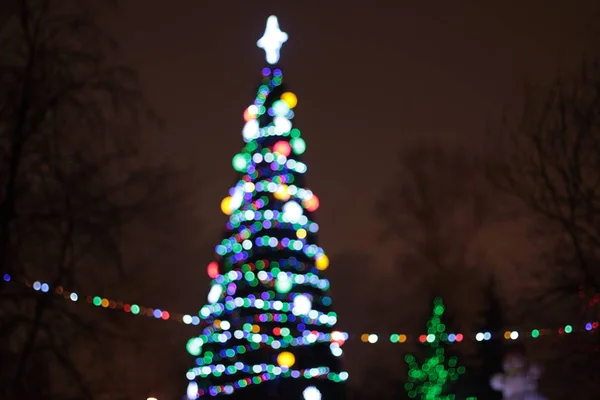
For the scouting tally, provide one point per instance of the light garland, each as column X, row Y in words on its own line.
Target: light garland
column 265, row 279
column 161, row 314
column 103, row 302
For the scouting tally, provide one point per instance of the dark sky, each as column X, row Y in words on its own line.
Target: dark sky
column 371, row 77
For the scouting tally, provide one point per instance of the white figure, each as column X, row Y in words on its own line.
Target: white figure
column 519, row 380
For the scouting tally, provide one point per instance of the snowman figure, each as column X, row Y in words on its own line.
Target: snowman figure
column 519, row 380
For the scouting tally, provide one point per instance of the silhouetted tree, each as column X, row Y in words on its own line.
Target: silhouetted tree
column 70, row 181
column 551, row 165
column 434, row 207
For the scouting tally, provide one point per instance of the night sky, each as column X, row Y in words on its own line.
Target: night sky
column 371, row 78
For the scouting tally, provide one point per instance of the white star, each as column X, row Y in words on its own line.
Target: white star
column 272, row 40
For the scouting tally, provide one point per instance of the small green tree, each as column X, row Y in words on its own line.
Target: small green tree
column 433, row 378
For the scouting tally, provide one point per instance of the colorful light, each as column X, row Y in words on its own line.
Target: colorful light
column 298, row 145
column 282, row 148
column 322, row 262
column 290, row 99
column 311, row 203
column 213, row 269
column 286, row 359
column 187, row 319
column 240, row 162
column 282, row 193
column 226, row 206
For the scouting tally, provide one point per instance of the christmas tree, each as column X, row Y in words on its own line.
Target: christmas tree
column 269, row 327
column 432, row 379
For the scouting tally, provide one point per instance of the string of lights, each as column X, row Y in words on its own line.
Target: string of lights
column 368, row 338
column 103, row 302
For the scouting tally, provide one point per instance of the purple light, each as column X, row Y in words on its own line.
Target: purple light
column 266, row 71
column 588, row 326
column 6, row 277
column 231, row 289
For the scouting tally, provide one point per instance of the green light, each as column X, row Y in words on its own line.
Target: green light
column 298, row 145
column 430, row 378
column 240, row 162
column 283, row 284
column 194, row 346
column 135, row 309
column 535, row 333
column 394, row 338
column 568, row 329
column 97, row 301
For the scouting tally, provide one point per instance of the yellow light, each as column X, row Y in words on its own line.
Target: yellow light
column 290, row 99
column 507, row 335
column 282, row 193
column 364, row 337
column 322, row 262
column 286, row 359
column 255, row 328
column 226, row 205
column 402, row 338
column 301, row 233
column 105, row 303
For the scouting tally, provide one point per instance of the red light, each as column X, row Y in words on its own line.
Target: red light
column 459, row 337
column 312, row 203
column 213, row 270
column 277, row 331
column 282, row 148
column 248, row 115
column 165, row 315
column 127, row 308
column 422, row 338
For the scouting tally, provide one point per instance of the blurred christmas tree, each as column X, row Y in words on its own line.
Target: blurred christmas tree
column 269, row 323
column 433, row 378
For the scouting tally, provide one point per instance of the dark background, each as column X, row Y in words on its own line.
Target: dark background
column 372, row 78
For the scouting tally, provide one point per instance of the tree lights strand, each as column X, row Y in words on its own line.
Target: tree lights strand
column 103, row 302
column 162, row 314
column 267, row 301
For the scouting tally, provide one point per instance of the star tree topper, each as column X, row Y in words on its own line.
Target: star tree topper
column 272, row 40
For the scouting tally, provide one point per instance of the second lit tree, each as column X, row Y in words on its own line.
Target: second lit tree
column 433, row 377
